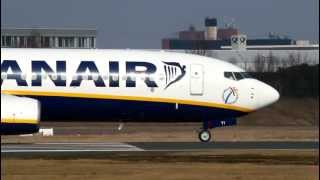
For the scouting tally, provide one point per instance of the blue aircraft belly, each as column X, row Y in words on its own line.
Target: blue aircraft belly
column 18, row 128
column 81, row 109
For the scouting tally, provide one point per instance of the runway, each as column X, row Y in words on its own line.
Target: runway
column 153, row 146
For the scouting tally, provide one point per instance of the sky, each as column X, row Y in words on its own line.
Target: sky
column 141, row 24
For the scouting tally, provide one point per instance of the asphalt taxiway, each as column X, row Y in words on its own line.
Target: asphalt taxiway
column 155, row 146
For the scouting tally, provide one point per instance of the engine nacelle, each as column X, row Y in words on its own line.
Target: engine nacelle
column 19, row 115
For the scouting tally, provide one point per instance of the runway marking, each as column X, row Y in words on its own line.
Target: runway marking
column 71, row 150
column 155, row 146
column 67, row 147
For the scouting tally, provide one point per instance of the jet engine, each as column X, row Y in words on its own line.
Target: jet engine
column 19, row 115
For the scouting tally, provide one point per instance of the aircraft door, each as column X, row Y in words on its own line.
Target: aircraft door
column 196, row 79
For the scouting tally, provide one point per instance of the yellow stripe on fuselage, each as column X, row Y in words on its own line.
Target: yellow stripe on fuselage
column 20, row 121
column 130, row 98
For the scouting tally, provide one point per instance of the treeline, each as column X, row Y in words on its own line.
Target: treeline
column 295, row 81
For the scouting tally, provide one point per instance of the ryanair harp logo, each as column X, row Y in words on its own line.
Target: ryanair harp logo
column 230, row 95
column 174, row 72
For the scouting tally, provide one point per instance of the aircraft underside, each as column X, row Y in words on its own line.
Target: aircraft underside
column 80, row 109
column 89, row 109
column 18, row 128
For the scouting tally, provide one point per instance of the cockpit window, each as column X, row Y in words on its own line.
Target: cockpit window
column 229, row 75
column 237, row 75
column 246, row 75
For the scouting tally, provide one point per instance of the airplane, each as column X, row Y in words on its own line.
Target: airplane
column 153, row 85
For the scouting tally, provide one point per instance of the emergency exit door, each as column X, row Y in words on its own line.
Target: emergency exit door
column 196, row 79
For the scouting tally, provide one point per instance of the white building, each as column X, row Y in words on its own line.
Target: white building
column 48, row 38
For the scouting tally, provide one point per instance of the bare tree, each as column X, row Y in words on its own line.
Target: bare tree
column 276, row 63
column 35, row 39
column 272, row 62
column 294, row 59
column 233, row 60
column 284, row 63
column 243, row 61
column 306, row 59
column 259, row 63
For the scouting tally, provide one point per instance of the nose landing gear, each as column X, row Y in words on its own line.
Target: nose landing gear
column 204, row 135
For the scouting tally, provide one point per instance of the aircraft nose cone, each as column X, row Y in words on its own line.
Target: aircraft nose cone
column 269, row 95
column 273, row 95
column 266, row 95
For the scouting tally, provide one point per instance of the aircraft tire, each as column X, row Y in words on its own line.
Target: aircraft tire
column 204, row 136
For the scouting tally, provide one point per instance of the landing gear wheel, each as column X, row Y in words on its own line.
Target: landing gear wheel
column 204, row 136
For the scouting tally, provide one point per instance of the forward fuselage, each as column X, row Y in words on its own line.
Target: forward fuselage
column 113, row 84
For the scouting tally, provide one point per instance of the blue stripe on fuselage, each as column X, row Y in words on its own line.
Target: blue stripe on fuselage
column 82, row 109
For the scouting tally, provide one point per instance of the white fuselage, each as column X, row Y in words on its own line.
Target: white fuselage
column 134, row 76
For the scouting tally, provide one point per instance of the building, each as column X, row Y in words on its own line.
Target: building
column 48, row 38
column 191, row 34
column 219, row 44
column 230, row 45
column 211, row 29
column 227, row 33
column 214, row 38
